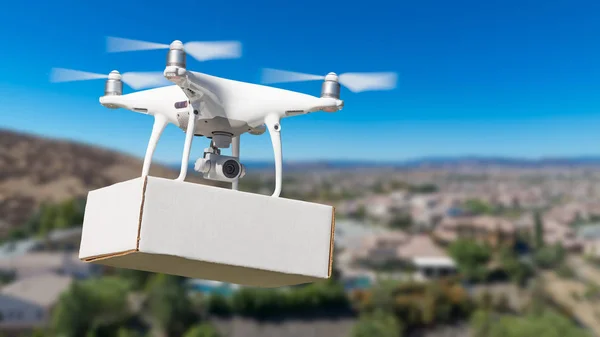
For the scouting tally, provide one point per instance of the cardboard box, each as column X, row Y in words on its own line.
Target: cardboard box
column 205, row 232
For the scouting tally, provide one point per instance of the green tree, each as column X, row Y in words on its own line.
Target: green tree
column 549, row 257
column 478, row 207
column 378, row 323
column 401, row 221
column 472, row 259
column 47, row 219
column 169, row 304
column 539, row 230
column 125, row 332
column 137, row 279
column 202, row 330
column 518, row 271
column 68, row 214
column 218, row 305
column 89, row 305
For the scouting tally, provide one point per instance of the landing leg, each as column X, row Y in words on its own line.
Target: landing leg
column 274, row 127
column 189, row 135
column 235, row 152
column 160, row 122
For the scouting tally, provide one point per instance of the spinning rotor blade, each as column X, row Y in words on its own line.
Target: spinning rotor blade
column 201, row 51
column 68, row 75
column 213, row 50
column 355, row 82
column 358, row 82
column 117, row 44
column 282, row 76
column 141, row 80
column 136, row 80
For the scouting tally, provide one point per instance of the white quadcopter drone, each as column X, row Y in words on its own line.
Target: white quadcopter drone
column 217, row 108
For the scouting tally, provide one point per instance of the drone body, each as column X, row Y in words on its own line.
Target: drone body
column 224, row 105
column 219, row 109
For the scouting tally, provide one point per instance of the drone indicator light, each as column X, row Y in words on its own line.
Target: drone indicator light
column 181, row 105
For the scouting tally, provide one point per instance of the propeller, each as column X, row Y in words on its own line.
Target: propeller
column 136, row 80
column 355, row 82
column 201, row 51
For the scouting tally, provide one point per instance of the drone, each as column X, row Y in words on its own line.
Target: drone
column 217, row 108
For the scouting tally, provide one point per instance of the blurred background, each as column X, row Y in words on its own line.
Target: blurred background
column 467, row 199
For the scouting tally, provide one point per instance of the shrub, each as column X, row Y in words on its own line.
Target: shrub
column 549, row 257
column 565, row 271
column 378, row 323
column 218, row 305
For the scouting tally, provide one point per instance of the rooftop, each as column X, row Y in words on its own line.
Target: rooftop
column 43, row 290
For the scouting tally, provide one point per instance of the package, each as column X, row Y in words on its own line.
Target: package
column 205, row 232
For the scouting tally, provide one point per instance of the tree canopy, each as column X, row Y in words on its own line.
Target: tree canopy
column 472, row 258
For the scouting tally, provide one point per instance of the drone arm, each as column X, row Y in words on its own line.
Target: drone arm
column 235, row 151
column 160, row 122
column 189, row 135
column 272, row 122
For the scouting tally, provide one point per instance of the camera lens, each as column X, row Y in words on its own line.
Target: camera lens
column 231, row 169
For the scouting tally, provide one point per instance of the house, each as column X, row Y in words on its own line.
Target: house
column 378, row 206
column 554, row 231
column 591, row 247
column 400, row 254
column 429, row 260
column 27, row 303
column 568, row 213
column 426, row 211
column 558, row 233
column 484, row 228
column 36, row 263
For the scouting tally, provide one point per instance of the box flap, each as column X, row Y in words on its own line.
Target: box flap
column 112, row 219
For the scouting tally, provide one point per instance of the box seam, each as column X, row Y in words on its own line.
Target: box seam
column 139, row 231
column 108, row 256
column 332, row 241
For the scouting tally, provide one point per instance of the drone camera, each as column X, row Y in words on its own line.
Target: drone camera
column 221, row 168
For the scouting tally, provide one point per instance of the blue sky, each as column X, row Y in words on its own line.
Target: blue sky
column 502, row 78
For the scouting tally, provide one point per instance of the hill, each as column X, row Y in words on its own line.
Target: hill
column 35, row 169
column 442, row 163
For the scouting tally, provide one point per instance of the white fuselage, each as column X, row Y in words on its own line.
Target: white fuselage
column 224, row 105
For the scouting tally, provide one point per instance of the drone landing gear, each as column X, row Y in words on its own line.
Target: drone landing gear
column 274, row 127
column 189, row 135
column 160, row 122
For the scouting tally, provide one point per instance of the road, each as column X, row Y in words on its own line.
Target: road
column 584, row 270
column 562, row 291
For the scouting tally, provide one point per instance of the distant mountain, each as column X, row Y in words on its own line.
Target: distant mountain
column 35, row 169
column 428, row 162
